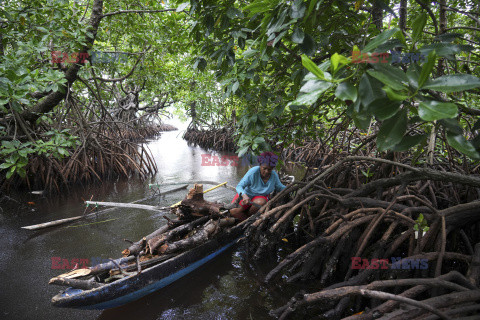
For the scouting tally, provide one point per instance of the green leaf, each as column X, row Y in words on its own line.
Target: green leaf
column 259, row 140
column 235, row 86
column 308, row 45
column 233, row 13
column 409, row 142
column 298, row 35
column 413, row 75
column 390, row 76
column 314, row 85
column 182, row 6
column 392, row 131
column 427, row 69
column 362, row 120
column 369, row 89
column 384, row 108
column 6, row 165
column 242, row 151
column 418, row 25
column 249, row 53
column 453, row 83
column 394, row 95
column 315, row 90
column 462, row 145
column 446, row 49
column 337, row 60
column 312, row 67
column 258, row 7
column 278, row 110
column 452, row 126
column 9, row 174
column 378, row 40
column 297, row 11
column 434, row 110
column 346, row 91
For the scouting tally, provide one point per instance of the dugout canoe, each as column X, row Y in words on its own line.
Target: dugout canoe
column 136, row 286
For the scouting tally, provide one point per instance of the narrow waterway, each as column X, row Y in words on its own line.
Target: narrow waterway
column 226, row 288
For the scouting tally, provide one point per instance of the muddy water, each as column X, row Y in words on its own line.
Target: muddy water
column 226, row 288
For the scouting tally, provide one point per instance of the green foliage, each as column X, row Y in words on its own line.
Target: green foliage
column 266, row 75
column 284, row 68
column 15, row 154
column 421, row 224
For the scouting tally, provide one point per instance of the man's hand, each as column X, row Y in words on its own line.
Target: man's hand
column 246, row 199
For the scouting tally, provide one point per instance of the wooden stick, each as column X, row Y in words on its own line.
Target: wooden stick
column 126, row 205
column 151, row 185
column 52, row 223
column 94, row 214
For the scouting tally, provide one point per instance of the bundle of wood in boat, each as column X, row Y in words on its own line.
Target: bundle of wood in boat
column 96, row 276
column 193, row 212
column 199, row 221
column 157, row 250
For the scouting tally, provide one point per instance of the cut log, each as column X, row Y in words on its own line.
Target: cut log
column 226, row 222
column 75, row 283
column 194, row 205
column 138, row 246
column 154, row 243
column 196, row 193
column 200, row 236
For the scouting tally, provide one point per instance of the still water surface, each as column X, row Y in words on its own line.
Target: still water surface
column 226, row 288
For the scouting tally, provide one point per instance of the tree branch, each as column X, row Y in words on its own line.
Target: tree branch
column 137, row 11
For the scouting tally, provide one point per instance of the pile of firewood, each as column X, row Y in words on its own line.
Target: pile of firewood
column 198, row 220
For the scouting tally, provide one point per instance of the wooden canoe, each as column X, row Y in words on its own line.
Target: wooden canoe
column 136, row 286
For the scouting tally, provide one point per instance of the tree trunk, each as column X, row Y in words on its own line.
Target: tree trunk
column 403, row 15
column 377, row 16
column 54, row 98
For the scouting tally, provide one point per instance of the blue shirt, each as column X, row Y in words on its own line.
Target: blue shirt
column 253, row 185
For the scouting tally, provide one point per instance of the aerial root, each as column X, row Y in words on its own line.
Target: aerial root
column 377, row 223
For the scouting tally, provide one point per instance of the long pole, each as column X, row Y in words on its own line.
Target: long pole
column 94, row 214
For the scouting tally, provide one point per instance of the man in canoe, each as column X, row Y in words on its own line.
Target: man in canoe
column 256, row 186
